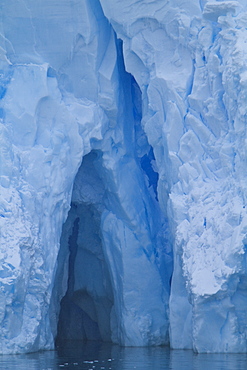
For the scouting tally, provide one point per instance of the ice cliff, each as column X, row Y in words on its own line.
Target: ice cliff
column 123, row 173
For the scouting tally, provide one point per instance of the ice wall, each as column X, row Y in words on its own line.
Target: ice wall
column 64, row 93
column 45, row 132
column 123, row 134
column 189, row 59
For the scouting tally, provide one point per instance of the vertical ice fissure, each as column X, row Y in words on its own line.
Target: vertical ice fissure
column 124, row 190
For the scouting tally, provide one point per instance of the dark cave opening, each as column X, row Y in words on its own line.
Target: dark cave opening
column 82, row 274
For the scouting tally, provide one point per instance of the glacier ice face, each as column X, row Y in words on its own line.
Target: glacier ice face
column 123, row 133
column 65, row 94
column 189, row 61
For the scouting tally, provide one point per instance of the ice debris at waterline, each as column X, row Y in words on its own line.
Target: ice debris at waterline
column 123, row 173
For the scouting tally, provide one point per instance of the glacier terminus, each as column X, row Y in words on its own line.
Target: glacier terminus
column 123, row 173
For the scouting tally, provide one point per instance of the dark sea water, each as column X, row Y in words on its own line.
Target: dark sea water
column 103, row 356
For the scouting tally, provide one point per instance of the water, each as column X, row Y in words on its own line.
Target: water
column 103, row 356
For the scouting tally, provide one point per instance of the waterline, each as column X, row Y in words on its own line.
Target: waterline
column 106, row 356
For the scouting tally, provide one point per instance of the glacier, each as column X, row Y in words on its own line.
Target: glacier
column 123, row 173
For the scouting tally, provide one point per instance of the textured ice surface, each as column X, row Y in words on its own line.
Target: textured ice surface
column 123, row 162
